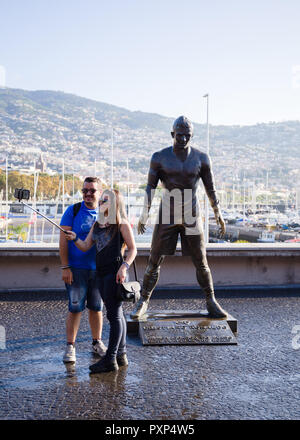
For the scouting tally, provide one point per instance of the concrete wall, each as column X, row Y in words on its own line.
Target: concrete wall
column 31, row 266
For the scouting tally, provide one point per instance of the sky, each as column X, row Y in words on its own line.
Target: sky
column 160, row 56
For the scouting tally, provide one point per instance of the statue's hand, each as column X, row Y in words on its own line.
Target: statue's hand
column 220, row 223
column 141, row 227
column 142, row 223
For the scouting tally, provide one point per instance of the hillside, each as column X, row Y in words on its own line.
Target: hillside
column 61, row 125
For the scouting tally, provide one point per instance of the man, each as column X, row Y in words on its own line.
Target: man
column 79, row 270
column 180, row 168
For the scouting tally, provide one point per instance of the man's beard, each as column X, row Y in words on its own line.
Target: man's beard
column 89, row 203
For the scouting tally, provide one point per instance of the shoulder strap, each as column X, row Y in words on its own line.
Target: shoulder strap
column 135, row 271
column 76, row 209
column 134, row 265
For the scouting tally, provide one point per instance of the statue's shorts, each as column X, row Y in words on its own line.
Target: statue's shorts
column 165, row 237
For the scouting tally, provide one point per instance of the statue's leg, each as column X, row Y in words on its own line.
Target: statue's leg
column 198, row 253
column 151, row 277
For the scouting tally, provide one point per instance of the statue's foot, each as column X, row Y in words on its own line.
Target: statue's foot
column 141, row 308
column 213, row 307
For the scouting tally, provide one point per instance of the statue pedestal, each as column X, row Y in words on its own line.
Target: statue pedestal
column 183, row 327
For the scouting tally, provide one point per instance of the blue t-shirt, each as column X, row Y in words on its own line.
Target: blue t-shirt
column 81, row 224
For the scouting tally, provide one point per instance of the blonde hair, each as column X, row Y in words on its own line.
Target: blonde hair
column 116, row 212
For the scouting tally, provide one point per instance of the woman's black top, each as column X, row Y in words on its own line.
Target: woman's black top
column 108, row 242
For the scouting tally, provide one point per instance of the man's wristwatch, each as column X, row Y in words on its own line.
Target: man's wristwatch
column 76, row 238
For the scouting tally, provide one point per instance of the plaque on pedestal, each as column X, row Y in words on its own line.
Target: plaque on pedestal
column 183, row 327
column 133, row 324
column 192, row 331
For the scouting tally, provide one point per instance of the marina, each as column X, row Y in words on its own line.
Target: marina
column 19, row 223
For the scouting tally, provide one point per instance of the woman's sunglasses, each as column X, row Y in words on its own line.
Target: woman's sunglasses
column 101, row 201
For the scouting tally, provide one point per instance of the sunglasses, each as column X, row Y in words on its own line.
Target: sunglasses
column 86, row 190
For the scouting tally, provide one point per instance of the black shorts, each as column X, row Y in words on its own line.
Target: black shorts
column 165, row 237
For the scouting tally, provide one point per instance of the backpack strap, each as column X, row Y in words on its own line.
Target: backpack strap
column 76, row 209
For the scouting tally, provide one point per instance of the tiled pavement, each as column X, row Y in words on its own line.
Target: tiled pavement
column 257, row 379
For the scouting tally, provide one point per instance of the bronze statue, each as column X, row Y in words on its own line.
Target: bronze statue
column 180, row 168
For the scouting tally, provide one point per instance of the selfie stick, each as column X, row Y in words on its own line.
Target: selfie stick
column 39, row 213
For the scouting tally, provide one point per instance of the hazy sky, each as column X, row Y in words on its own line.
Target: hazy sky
column 160, row 56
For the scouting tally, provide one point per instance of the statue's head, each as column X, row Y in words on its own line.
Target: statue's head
column 182, row 132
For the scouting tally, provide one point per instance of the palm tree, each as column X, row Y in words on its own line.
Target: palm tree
column 18, row 232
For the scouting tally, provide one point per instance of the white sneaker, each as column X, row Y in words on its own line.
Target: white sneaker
column 70, row 354
column 99, row 348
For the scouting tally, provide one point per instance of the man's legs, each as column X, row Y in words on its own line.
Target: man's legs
column 77, row 295
column 151, row 277
column 196, row 244
column 95, row 306
column 72, row 326
column 82, row 290
column 96, row 323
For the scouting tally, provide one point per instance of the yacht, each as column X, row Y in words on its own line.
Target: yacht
column 267, row 237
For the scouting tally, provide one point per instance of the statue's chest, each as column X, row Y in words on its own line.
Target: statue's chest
column 173, row 168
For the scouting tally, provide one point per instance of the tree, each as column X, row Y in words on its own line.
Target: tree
column 18, row 232
column 47, row 185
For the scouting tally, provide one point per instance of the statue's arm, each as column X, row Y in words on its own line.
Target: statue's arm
column 153, row 178
column 209, row 185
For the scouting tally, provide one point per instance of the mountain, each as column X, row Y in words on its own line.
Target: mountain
column 61, row 125
column 17, row 102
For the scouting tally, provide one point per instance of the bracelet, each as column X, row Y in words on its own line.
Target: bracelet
column 126, row 264
column 75, row 239
column 65, row 267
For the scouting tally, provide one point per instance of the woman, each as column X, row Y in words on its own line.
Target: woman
column 111, row 232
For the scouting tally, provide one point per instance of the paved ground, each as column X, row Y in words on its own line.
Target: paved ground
column 257, row 379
